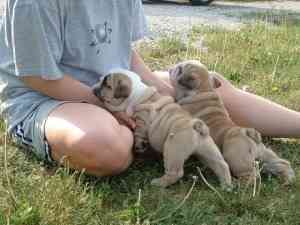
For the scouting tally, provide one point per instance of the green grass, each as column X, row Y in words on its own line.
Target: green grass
column 248, row 0
column 265, row 58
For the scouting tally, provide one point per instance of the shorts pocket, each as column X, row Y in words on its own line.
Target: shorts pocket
column 19, row 137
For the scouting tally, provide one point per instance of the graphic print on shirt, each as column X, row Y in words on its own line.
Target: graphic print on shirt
column 101, row 34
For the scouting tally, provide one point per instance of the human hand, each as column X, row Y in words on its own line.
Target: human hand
column 124, row 119
column 166, row 89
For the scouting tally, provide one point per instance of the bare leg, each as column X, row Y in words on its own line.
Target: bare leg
column 267, row 117
column 89, row 138
column 250, row 110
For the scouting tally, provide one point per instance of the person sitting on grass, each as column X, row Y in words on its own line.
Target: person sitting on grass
column 52, row 52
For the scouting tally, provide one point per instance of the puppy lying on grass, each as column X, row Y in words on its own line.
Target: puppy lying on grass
column 195, row 92
column 163, row 124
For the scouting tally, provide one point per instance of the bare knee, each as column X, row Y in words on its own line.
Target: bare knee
column 112, row 157
column 89, row 138
column 122, row 151
column 99, row 152
column 119, row 161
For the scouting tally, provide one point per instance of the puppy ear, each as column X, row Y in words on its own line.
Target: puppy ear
column 214, row 82
column 253, row 134
column 122, row 90
column 201, row 128
column 96, row 89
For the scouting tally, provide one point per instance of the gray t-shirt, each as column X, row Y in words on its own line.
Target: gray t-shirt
column 50, row 38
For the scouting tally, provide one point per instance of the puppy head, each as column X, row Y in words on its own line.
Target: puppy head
column 113, row 90
column 192, row 75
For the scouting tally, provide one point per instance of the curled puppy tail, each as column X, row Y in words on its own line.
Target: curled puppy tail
column 253, row 134
column 201, row 127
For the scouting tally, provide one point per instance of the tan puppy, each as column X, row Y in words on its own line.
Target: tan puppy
column 165, row 126
column 195, row 92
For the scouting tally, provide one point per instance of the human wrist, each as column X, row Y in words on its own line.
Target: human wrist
column 166, row 89
column 93, row 99
column 162, row 86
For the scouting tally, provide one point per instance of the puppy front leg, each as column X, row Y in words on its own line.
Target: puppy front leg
column 273, row 164
column 140, row 137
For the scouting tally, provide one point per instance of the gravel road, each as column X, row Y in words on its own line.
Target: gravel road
column 169, row 18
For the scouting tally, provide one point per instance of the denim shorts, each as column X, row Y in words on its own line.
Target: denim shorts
column 30, row 133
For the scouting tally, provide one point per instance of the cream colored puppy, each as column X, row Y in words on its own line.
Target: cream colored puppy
column 164, row 125
column 195, row 92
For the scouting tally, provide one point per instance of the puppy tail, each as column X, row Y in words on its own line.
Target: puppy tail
column 253, row 134
column 201, row 127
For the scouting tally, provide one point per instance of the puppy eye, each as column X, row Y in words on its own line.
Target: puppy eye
column 180, row 70
column 105, row 83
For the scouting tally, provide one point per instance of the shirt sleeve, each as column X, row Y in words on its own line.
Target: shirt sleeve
column 36, row 41
column 140, row 28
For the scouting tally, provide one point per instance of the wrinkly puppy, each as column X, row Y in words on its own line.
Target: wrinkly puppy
column 163, row 124
column 195, row 92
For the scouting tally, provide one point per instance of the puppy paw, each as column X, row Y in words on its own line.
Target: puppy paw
column 227, row 187
column 247, row 179
column 141, row 147
column 139, row 150
column 288, row 177
column 159, row 182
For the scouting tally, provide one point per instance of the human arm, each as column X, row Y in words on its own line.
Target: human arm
column 69, row 89
column 64, row 89
column 150, row 78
